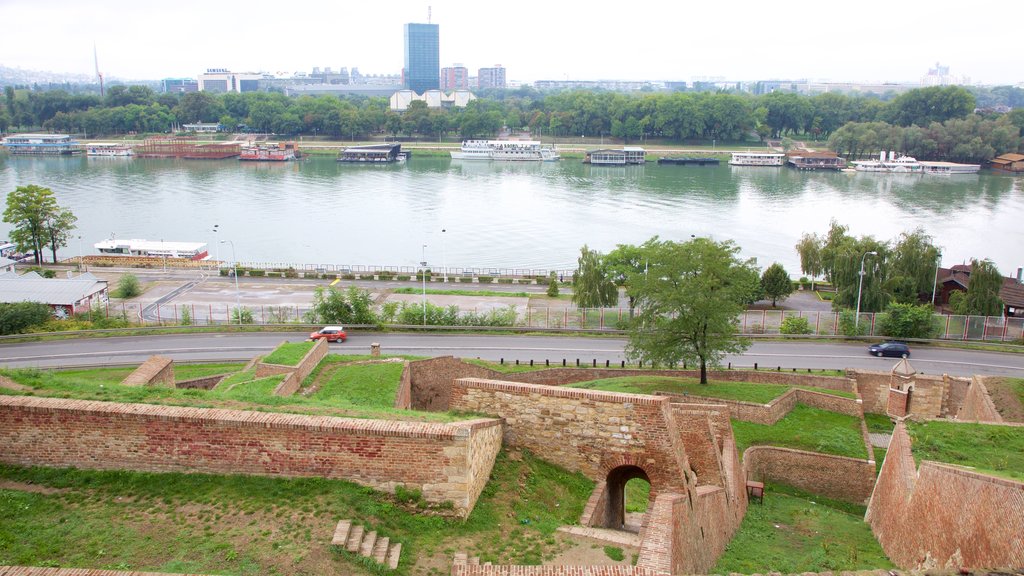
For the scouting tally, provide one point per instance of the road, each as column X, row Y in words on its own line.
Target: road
column 766, row 354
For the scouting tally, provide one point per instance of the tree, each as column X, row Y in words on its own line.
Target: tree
column 15, row 317
column 776, row 283
column 592, row 285
column 552, row 285
column 28, row 209
column 627, row 261
column 809, row 248
column 908, row 321
column 982, row 297
column 127, row 286
column 912, row 271
column 689, row 303
column 331, row 306
column 57, row 230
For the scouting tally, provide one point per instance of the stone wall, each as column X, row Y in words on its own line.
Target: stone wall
column 944, row 516
column 447, row 462
column 932, row 396
column 302, row 369
column 779, row 407
column 977, row 405
column 839, row 477
column 156, row 370
column 588, row 431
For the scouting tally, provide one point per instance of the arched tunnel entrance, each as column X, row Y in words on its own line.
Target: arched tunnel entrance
column 618, row 478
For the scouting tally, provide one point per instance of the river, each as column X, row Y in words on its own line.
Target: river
column 509, row 215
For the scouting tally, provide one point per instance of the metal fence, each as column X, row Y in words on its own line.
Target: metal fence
column 752, row 322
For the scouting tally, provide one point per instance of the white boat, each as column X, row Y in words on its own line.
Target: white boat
column 757, row 159
column 108, row 150
column 893, row 164
column 42, row 144
column 949, row 168
column 512, row 150
column 159, row 248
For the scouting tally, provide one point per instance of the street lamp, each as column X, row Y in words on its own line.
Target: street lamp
column 423, row 275
column 935, row 282
column 238, row 307
column 80, row 255
column 218, row 245
column 444, row 256
column 860, row 286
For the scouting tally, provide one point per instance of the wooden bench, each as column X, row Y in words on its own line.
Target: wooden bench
column 755, row 490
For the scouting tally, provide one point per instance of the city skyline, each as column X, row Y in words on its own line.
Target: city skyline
column 537, row 41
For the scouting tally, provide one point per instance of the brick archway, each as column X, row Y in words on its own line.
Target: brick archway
column 615, row 491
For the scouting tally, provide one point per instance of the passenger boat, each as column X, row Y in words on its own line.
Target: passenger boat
column 949, row 168
column 269, row 152
column 135, row 247
column 42, row 144
column 616, row 157
column 108, row 150
column 511, row 150
column 373, row 154
column 757, row 159
column 893, row 164
column 814, row 160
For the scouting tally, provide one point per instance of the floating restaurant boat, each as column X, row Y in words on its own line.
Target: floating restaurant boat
column 42, row 144
column 689, row 161
column 814, row 160
column 616, row 157
column 510, row 150
column 269, row 152
column 108, row 150
column 373, row 154
column 158, row 248
column 757, row 159
column 893, row 164
column 948, row 168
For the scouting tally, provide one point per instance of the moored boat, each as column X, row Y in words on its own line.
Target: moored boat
column 508, row 150
column 269, row 152
column 815, row 160
column 687, row 161
column 616, row 157
column 949, row 168
column 136, row 247
column 108, row 150
column 42, row 144
column 373, row 154
column 892, row 164
column 757, row 159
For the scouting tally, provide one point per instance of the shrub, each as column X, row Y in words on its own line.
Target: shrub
column 225, row 271
column 273, row 274
column 755, row 329
column 15, row 317
column 804, row 282
column 403, row 277
column 127, row 287
column 385, row 275
column 466, row 279
column 310, row 275
column 908, row 321
column 186, row 316
column 348, row 276
column 848, row 324
column 553, row 286
column 291, row 273
column 256, row 273
column 795, row 325
column 241, row 316
column 505, row 280
column 485, row 279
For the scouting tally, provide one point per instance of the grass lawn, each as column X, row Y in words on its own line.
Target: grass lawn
column 190, row 371
column 878, row 423
column 744, row 391
column 347, row 395
column 289, row 353
column 251, row 525
column 437, row 291
column 795, row 532
column 992, row 449
column 805, row 428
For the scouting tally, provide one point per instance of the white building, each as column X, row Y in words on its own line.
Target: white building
column 222, row 80
column 401, row 100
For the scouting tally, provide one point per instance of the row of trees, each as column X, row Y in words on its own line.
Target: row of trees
column 675, row 116
column 902, row 271
column 38, row 221
column 970, row 139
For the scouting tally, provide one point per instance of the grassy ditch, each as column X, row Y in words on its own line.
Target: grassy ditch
column 795, row 532
column 805, row 428
column 289, row 353
column 989, row 448
column 211, row 524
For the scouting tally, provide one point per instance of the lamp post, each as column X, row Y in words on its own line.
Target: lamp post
column 80, row 255
column 860, row 286
column 238, row 306
column 444, row 256
column 218, row 245
column 935, row 282
column 423, row 275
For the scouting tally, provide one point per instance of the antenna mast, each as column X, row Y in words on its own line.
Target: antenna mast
column 99, row 75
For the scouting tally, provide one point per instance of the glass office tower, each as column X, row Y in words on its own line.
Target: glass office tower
column 422, row 58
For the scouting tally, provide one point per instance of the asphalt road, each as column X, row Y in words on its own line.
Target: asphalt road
column 767, row 354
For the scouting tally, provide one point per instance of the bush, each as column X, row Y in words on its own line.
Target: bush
column 804, row 282
column 348, row 276
column 273, row 274
column 385, row 275
column 241, row 316
column 553, row 286
column 225, row 271
column 127, row 287
column 291, row 273
column 485, row 279
column 17, row 316
column 848, row 324
column 310, row 275
column 256, row 273
column 908, row 321
column 403, row 277
column 466, row 279
column 795, row 325
column 186, row 316
column 505, row 280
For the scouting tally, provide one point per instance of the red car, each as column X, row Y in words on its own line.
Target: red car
column 331, row 333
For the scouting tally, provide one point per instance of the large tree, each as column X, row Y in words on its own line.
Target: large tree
column 982, row 297
column 690, row 299
column 57, row 229
column 29, row 208
column 627, row 261
column 592, row 285
column 775, row 283
column 913, row 267
column 809, row 248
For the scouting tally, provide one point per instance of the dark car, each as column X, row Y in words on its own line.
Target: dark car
column 331, row 333
column 892, row 349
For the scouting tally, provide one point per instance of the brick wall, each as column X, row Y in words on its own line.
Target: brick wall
column 945, row 516
column 204, row 383
column 977, row 405
column 583, row 430
column 448, row 462
column 777, row 409
column 431, row 380
column 156, row 370
column 302, row 369
column 403, row 398
column 933, row 396
column 848, row 479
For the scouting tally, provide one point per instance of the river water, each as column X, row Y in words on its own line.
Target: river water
column 509, row 215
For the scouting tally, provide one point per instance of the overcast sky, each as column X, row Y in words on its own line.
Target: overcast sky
column 867, row 41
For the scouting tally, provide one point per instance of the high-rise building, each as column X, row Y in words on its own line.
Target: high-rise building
column 222, row 80
column 454, row 78
column 422, row 70
column 491, row 77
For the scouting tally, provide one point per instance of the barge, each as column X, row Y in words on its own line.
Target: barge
column 689, row 161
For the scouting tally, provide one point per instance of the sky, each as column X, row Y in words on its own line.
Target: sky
column 866, row 41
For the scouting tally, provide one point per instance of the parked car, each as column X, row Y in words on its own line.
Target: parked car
column 892, row 349
column 331, row 333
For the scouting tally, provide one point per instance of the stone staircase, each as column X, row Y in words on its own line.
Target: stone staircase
column 356, row 539
column 463, row 559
